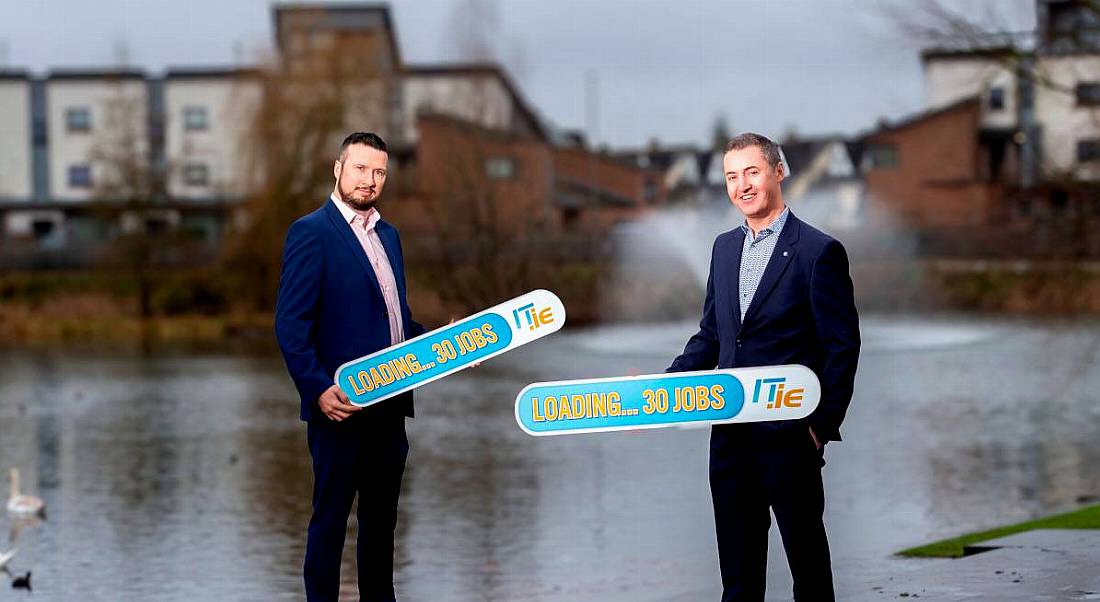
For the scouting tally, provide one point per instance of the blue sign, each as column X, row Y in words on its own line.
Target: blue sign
column 661, row 400
column 433, row 355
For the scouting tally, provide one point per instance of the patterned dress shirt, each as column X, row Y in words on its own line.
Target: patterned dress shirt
column 755, row 254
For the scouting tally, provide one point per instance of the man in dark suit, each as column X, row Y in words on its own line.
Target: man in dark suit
column 342, row 296
column 779, row 292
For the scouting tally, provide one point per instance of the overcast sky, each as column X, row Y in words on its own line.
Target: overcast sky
column 656, row 69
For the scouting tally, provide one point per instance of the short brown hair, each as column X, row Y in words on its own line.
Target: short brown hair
column 368, row 138
column 766, row 146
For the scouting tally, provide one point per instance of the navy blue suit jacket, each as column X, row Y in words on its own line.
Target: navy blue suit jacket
column 803, row 312
column 330, row 308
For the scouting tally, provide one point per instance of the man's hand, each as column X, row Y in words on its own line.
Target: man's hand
column 335, row 404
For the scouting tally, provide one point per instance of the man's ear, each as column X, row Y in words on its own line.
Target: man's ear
column 779, row 172
column 336, row 170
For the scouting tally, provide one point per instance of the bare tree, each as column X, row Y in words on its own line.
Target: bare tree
column 128, row 185
column 1043, row 188
column 305, row 106
column 1056, row 198
column 486, row 214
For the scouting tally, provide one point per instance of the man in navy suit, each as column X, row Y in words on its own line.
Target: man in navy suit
column 342, row 296
column 779, row 292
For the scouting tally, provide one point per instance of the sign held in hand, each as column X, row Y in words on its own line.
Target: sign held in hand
column 433, row 355
column 659, row 400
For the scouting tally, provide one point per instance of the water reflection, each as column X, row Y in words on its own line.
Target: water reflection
column 176, row 475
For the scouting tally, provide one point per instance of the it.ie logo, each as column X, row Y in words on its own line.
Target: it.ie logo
column 775, row 394
column 532, row 318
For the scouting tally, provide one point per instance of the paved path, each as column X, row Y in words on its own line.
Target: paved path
column 1046, row 564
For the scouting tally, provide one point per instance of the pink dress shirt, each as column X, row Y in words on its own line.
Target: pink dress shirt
column 363, row 228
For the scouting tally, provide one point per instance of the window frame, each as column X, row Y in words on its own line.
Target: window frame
column 494, row 163
column 73, row 181
column 1082, row 96
column 1088, row 150
column 996, row 98
column 196, row 119
column 195, row 182
column 73, row 125
column 873, row 154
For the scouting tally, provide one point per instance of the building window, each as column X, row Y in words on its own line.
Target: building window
column 649, row 191
column 1088, row 94
column 1088, row 150
column 195, row 119
column 42, row 229
column 882, row 156
column 196, row 174
column 80, row 176
column 78, row 119
column 500, row 168
column 156, row 226
column 1072, row 26
column 1059, row 202
column 570, row 216
column 996, row 99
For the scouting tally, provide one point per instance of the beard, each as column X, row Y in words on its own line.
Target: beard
column 358, row 203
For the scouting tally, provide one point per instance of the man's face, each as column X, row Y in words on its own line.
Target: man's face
column 751, row 183
column 361, row 175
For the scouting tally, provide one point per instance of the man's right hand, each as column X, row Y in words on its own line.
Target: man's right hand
column 335, row 404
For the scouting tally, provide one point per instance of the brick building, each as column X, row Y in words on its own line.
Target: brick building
column 1010, row 137
column 59, row 204
column 472, row 181
column 937, row 169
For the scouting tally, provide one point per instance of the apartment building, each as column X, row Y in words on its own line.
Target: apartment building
column 1010, row 132
column 88, row 154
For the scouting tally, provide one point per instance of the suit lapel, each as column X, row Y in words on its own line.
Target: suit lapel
column 389, row 243
column 738, row 243
column 343, row 228
column 777, row 265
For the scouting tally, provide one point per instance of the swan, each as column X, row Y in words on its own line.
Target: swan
column 23, row 504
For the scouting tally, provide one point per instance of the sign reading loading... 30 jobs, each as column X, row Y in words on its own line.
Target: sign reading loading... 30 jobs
column 785, row 392
column 433, row 355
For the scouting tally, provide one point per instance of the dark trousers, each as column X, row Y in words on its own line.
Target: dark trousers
column 749, row 475
column 364, row 454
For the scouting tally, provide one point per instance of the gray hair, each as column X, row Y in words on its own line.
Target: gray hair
column 766, row 146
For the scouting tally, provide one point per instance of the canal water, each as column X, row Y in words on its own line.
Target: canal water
column 184, row 474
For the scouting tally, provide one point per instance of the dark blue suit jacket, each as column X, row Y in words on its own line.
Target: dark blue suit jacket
column 330, row 308
column 803, row 312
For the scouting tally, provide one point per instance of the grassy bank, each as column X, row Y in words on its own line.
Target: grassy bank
column 1085, row 518
column 21, row 325
column 1039, row 287
column 210, row 304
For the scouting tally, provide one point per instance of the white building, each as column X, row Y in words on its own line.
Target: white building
column 952, row 76
column 481, row 94
column 17, row 166
column 1068, row 109
column 15, row 136
column 1041, row 89
column 206, row 148
column 66, row 137
column 96, row 123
